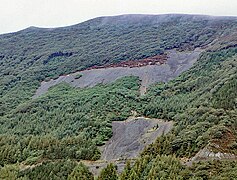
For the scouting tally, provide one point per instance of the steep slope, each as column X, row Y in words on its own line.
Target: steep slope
column 35, row 54
column 70, row 123
column 176, row 63
column 130, row 137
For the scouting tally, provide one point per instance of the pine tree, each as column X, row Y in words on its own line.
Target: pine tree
column 126, row 172
column 133, row 175
column 9, row 172
column 108, row 173
column 81, row 172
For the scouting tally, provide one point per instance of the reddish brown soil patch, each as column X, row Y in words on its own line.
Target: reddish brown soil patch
column 171, row 65
column 154, row 60
column 223, row 144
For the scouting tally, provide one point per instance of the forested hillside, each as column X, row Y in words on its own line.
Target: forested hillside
column 46, row 137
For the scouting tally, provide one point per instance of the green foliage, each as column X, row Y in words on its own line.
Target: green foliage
column 78, row 76
column 162, row 146
column 225, row 96
column 69, row 123
column 33, row 148
column 81, row 172
column 190, row 100
column 30, row 56
column 9, row 172
column 195, row 103
column 215, row 170
column 126, row 174
column 168, row 167
column 59, row 170
column 108, row 173
column 156, row 167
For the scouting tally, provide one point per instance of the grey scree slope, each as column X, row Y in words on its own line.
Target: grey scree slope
column 130, row 137
column 177, row 63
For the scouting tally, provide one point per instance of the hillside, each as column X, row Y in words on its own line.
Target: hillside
column 149, row 73
column 69, row 122
column 35, row 54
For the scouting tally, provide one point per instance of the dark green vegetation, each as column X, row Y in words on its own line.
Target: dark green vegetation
column 32, row 55
column 68, row 123
column 108, row 172
column 191, row 101
column 80, row 172
column 146, row 167
column 168, row 167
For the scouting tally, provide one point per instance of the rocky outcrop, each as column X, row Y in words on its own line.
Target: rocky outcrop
column 207, row 154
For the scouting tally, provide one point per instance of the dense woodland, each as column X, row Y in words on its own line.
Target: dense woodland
column 54, row 132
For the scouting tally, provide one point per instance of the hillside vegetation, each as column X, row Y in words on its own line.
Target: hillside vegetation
column 32, row 55
column 67, row 124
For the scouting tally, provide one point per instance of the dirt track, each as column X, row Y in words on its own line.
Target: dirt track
column 176, row 63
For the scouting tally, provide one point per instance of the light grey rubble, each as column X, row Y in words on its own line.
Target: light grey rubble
column 177, row 63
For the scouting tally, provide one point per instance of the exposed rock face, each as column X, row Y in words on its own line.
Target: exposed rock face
column 131, row 136
column 129, row 139
column 207, row 154
column 177, row 62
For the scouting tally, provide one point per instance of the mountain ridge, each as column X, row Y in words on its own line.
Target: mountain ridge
column 132, row 16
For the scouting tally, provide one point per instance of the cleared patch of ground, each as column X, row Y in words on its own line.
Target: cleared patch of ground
column 176, row 63
column 129, row 139
column 131, row 136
